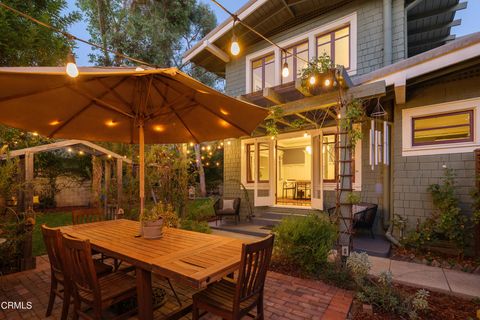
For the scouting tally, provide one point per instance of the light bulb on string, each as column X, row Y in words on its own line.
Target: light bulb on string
column 327, row 82
column 234, row 46
column 285, row 71
column 71, row 69
column 312, row 80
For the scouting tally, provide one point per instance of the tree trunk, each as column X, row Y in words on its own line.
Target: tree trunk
column 97, row 172
column 201, row 172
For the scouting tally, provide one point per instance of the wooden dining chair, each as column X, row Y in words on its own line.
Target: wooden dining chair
column 87, row 215
column 59, row 283
column 232, row 300
column 97, row 293
column 93, row 215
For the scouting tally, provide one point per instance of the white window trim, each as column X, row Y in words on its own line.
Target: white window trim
column 447, row 148
column 328, row 186
column 311, row 36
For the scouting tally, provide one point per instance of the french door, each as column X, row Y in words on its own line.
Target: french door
column 265, row 172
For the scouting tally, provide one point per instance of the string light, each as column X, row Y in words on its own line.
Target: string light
column 327, row 82
column 312, row 80
column 71, row 68
column 234, row 46
column 285, row 70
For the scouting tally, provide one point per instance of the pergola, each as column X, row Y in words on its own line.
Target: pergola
column 109, row 158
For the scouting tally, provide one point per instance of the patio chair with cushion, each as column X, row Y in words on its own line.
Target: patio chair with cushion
column 364, row 217
column 53, row 243
column 233, row 300
column 97, row 293
column 227, row 207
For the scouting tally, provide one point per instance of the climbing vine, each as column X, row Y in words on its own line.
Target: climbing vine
column 354, row 113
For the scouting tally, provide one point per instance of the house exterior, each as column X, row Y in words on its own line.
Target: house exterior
column 398, row 56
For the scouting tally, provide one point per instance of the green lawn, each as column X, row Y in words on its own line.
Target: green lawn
column 52, row 219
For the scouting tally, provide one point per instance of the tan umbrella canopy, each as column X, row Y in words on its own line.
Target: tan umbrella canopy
column 121, row 105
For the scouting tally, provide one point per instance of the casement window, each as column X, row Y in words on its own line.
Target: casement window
column 453, row 127
column 263, row 162
column 250, row 152
column 263, row 72
column 329, row 158
column 336, row 44
column 296, row 57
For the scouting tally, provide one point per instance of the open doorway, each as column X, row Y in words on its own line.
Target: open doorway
column 294, row 171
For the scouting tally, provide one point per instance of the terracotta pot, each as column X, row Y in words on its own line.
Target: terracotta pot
column 152, row 229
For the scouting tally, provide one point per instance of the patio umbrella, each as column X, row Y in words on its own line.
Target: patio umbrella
column 122, row 104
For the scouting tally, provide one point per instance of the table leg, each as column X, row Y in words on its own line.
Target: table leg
column 144, row 294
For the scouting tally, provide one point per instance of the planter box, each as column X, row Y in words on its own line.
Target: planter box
column 152, row 229
column 443, row 247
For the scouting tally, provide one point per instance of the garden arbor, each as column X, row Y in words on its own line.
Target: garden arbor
column 110, row 159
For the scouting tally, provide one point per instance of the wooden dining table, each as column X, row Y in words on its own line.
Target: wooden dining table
column 193, row 258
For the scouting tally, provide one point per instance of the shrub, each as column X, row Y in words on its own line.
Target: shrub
column 381, row 293
column 200, row 209
column 198, row 226
column 305, row 241
column 447, row 222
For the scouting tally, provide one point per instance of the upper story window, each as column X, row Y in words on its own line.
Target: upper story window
column 443, row 128
column 295, row 57
column 263, row 72
column 336, row 45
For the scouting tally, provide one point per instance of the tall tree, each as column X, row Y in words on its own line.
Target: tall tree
column 24, row 43
column 156, row 31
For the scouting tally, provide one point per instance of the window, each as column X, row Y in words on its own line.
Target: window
column 336, row 45
column 250, row 148
column 263, row 72
column 263, row 162
column 442, row 128
column 329, row 156
column 294, row 56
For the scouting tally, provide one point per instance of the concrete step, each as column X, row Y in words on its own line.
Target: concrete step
column 260, row 221
column 378, row 247
column 256, row 232
column 278, row 215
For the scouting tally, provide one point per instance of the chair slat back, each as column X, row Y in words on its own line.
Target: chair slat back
column 52, row 237
column 87, row 215
column 253, row 269
column 82, row 270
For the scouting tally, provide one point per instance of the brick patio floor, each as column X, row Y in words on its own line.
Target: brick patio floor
column 285, row 297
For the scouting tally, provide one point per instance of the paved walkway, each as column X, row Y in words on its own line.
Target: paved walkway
column 454, row 282
column 285, row 297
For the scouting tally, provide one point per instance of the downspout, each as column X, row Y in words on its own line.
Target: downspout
column 389, row 234
column 387, row 32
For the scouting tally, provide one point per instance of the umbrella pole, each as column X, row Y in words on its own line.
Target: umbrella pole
column 141, row 141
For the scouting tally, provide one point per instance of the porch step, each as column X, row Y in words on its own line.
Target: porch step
column 260, row 221
column 278, row 215
column 245, row 229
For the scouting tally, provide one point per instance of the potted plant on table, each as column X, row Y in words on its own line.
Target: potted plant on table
column 152, row 223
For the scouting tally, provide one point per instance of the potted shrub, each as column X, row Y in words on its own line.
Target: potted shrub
column 152, row 223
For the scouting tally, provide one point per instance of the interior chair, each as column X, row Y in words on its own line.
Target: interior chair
column 232, row 300
column 289, row 185
column 227, row 207
column 59, row 283
column 98, row 293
